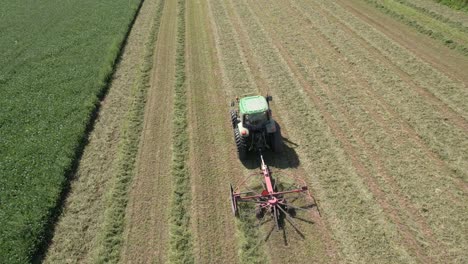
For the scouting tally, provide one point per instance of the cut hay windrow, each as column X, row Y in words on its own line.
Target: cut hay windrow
column 180, row 250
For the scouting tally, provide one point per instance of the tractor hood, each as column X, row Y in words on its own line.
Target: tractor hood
column 253, row 105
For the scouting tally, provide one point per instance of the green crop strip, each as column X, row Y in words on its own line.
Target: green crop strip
column 111, row 236
column 455, row 4
column 439, row 17
column 180, row 236
column 56, row 63
column 422, row 28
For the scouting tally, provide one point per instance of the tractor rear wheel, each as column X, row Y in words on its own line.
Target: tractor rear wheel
column 276, row 140
column 241, row 144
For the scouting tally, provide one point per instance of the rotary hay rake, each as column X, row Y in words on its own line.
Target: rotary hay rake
column 280, row 200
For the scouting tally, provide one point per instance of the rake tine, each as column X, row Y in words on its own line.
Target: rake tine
column 294, row 198
column 290, row 220
column 252, row 191
column 245, row 192
column 250, row 201
column 264, row 222
column 295, row 207
column 296, row 229
column 269, row 233
column 275, row 215
column 304, row 220
column 285, row 239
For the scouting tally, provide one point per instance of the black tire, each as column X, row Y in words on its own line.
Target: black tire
column 240, row 143
column 235, row 210
column 234, row 119
column 276, row 140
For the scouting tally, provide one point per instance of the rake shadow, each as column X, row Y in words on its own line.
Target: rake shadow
column 286, row 225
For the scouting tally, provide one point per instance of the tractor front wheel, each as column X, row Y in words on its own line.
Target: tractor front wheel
column 241, row 144
column 234, row 119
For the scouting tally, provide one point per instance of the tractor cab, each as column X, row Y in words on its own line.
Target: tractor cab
column 253, row 125
column 254, row 112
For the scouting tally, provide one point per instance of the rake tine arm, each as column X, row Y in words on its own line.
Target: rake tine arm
column 295, row 207
column 275, row 215
column 252, row 191
column 291, row 221
column 250, row 201
column 287, row 216
column 291, row 191
column 269, row 233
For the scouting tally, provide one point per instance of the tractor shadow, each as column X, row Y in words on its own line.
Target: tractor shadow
column 286, row 159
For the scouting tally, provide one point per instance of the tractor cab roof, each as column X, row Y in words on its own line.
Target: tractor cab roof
column 253, row 105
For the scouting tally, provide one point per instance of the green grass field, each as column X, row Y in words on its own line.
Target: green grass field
column 456, row 4
column 426, row 23
column 53, row 68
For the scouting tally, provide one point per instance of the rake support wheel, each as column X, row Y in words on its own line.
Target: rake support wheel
column 235, row 211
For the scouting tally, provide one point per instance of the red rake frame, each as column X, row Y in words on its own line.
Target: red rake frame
column 269, row 200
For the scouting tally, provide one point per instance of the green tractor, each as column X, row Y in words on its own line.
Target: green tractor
column 254, row 127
